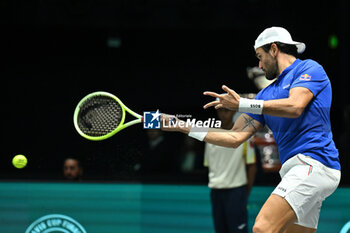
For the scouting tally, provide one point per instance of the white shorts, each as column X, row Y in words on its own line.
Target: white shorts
column 305, row 185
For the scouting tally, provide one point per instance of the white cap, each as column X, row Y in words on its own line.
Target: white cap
column 277, row 34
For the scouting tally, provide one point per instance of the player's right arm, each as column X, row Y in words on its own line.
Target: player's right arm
column 244, row 127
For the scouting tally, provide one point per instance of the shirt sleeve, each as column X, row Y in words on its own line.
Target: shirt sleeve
column 312, row 77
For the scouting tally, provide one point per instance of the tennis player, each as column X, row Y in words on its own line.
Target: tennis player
column 296, row 107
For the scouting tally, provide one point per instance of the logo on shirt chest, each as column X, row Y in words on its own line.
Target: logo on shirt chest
column 305, row 77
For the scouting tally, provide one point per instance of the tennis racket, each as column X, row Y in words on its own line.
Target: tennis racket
column 100, row 115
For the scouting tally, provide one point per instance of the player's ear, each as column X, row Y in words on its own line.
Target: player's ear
column 273, row 50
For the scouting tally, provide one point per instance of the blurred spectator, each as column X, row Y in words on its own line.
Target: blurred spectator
column 258, row 76
column 72, row 169
column 158, row 162
column 190, row 161
column 231, row 176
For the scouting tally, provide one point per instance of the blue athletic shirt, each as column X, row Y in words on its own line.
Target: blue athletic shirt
column 310, row 134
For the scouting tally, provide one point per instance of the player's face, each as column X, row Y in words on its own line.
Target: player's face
column 71, row 169
column 267, row 63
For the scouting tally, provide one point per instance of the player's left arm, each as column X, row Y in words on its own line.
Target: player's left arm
column 291, row 107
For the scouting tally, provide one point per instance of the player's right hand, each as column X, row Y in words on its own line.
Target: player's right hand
column 172, row 123
column 168, row 122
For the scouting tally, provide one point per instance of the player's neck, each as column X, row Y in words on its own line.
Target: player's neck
column 285, row 61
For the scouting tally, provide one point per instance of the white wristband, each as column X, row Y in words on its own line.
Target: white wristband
column 251, row 106
column 197, row 134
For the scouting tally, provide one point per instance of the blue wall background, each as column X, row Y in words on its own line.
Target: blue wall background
column 136, row 208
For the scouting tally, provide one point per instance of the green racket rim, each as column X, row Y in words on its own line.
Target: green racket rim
column 110, row 134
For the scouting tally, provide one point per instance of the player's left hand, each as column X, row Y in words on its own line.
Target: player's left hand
column 230, row 100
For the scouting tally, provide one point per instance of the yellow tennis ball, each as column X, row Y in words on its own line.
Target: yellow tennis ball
column 19, row 161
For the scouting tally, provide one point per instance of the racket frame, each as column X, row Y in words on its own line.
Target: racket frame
column 121, row 125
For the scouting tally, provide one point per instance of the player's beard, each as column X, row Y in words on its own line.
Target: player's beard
column 271, row 71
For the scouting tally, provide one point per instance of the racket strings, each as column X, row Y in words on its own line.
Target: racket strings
column 99, row 115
